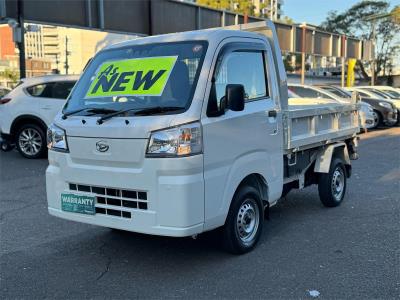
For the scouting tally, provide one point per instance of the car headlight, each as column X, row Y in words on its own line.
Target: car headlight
column 386, row 105
column 183, row 140
column 56, row 139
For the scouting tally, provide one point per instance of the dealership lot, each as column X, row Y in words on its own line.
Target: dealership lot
column 345, row 252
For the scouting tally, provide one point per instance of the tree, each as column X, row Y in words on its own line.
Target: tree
column 239, row 6
column 10, row 75
column 354, row 22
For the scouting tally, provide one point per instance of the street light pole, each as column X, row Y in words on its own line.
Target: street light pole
column 21, row 42
column 66, row 55
column 373, row 57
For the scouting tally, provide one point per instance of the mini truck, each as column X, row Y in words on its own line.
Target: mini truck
column 183, row 133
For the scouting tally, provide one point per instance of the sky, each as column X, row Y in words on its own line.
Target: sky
column 315, row 11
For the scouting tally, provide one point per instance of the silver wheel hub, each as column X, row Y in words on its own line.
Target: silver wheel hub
column 30, row 141
column 376, row 118
column 248, row 220
column 337, row 185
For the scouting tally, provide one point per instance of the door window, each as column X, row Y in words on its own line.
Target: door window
column 246, row 68
column 59, row 90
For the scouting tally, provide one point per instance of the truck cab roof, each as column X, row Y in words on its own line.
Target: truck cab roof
column 213, row 35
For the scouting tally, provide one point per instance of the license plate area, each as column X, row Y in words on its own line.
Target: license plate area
column 78, row 203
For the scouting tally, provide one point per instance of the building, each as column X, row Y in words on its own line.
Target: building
column 7, row 46
column 68, row 49
column 271, row 9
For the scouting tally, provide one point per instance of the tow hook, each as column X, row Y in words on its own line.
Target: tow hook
column 6, row 146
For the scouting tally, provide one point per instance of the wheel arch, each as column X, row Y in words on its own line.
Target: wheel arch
column 325, row 157
column 26, row 119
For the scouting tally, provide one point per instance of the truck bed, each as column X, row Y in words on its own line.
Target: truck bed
column 308, row 126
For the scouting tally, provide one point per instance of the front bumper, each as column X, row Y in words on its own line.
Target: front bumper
column 174, row 188
column 391, row 118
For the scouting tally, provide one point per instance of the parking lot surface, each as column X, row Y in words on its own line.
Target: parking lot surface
column 351, row 251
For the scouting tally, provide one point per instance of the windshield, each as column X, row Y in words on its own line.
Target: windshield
column 380, row 94
column 392, row 94
column 140, row 77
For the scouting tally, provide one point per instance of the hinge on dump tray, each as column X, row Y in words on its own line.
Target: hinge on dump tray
column 292, row 159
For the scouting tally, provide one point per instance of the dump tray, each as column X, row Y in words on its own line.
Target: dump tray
column 308, row 126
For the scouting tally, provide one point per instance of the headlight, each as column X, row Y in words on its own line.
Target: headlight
column 56, row 139
column 386, row 105
column 178, row 141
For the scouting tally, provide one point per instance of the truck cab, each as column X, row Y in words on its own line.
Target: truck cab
column 176, row 135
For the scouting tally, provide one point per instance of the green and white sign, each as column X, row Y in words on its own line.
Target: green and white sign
column 132, row 77
column 78, row 203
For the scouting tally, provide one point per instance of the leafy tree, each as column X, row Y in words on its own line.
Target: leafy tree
column 238, row 6
column 217, row 4
column 10, row 75
column 354, row 22
column 287, row 20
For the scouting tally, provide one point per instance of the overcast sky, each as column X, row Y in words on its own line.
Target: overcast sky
column 315, row 11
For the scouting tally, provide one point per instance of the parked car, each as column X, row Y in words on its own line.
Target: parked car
column 385, row 110
column 4, row 91
column 367, row 118
column 387, row 93
column 28, row 109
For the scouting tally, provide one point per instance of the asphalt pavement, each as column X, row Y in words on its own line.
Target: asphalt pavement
column 352, row 251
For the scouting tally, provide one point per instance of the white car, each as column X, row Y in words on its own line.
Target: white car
column 306, row 91
column 27, row 110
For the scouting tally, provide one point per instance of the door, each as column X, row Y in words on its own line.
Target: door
column 51, row 97
column 237, row 144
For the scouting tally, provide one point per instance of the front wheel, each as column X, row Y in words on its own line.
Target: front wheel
column 244, row 222
column 332, row 185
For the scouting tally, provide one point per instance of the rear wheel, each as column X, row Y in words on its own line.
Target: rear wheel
column 244, row 222
column 332, row 185
column 31, row 141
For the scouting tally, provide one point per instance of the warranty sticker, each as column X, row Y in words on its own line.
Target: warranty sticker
column 132, row 77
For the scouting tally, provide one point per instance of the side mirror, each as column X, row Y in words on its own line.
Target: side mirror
column 234, row 97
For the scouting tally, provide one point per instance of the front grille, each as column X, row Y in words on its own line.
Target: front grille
column 112, row 201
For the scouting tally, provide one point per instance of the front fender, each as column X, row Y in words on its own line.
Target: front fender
column 250, row 163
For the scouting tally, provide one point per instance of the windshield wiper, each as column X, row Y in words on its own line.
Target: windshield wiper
column 89, row 109
column 138, row 111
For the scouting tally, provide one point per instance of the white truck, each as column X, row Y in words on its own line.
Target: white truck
column 183, row 133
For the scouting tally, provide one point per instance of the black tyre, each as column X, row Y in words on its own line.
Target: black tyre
column 377, row 119
column 244, row 222
column 332, row 185
column 31, row 141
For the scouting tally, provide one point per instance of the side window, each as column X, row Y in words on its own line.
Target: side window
column 61, row 90
column 38, row 90
column 246, row 68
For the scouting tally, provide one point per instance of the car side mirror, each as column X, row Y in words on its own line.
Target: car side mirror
column 234, row 97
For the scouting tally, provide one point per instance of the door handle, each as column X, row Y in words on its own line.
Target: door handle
column 272, row 113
